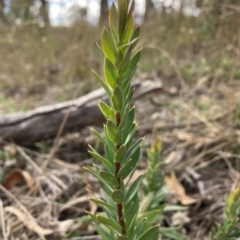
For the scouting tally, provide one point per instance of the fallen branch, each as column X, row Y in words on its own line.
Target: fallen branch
column 44, row 122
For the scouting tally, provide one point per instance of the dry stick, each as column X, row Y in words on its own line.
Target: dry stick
column 56, row 140
column 13, row 198
column 158, row 127
column 174, row 65
column 2, row 221
column 196, row 115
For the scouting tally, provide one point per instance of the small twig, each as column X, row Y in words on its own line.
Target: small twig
column 56, row 140
column 200, row 118
column 2, row 221
column 19, row 204
column 30, row 161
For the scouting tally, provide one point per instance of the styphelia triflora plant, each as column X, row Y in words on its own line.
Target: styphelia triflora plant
column 120, row 197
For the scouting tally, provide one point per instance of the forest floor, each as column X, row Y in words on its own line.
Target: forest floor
column 196, row 117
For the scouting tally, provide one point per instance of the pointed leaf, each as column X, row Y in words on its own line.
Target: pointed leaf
column 108, row 46
column 113, row 132
column 124, row 46
column 103, row 84
column 113, row 21
column 129, row 122
column 103, row 160
column 133, row 149
column 125, row 169
column 117, row 99
column 150, row 215
column 110, row 73
column 133, row 190
column 128, row 31
column 131, row 9
column 171, row 233
column 108, row 222
column 124, row 119
column 152, row 233
column 140, row 227
column 92, row 172
column 123, row 238
column 132, row 66
column 136, row 34
column 119, row 155
column 98, row 136
column 123, row 11
column 118, row 196
column 104, row 233
column 106, row 110
column 109, row 178
column 124, row 63
column 102, row 203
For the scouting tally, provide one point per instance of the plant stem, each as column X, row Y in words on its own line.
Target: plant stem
column 117, row 168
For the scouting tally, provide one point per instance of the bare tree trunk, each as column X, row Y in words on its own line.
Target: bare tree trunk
column 103, row 11
column 148, row 8
column 44, row 12
column 2, row 15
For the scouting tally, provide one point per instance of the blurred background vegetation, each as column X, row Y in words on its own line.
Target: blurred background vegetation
column 48, row 46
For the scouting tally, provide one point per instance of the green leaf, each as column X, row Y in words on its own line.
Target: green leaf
column 131, row 9
column 103, row 84
column 111, row 213
column 106, row 110
column 128, row 30
column 123, row 11
column 92, row 172
column 139, row 228
column 108, row 46
column 119, row 155
column 110, row 144
column 124, row 63
column 117, row 99
column 130, row 219
column 132, row 66
column 125, row 169
column 129, row 165
column 129, row 122
column 93, row 217
column 146, row 202
column 129, row 138
column 133, row 149
column 174, row 208
column 124, row 46
column 104, row 233
column 110, row 73
column 103, row 160
column 118, row 196
column 129, row 98
column 108, row 222
column 102, row 203
column 123, row 238
column 171, row 233
column 126, row 89
column 132, row 190
column 113, row 21
column 109, row 186
column 136, row 35
column 109, row 178
column 151, row 233
column 98, row 136
column 123, row 120
column 113, row 132
column 150, row 215
column 130, row 214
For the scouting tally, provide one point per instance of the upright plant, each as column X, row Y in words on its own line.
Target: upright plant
column 120, row 198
